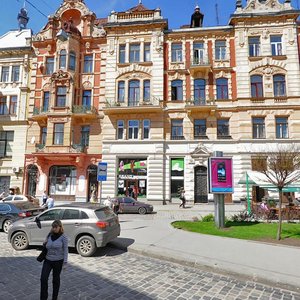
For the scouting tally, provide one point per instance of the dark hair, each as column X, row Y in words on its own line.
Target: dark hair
column 58, row 223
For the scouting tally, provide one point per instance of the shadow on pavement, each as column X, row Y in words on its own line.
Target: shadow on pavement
column 121, row 243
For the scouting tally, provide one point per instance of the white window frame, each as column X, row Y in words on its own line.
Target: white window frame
column 133, row 129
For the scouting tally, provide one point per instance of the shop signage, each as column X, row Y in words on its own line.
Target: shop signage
column 129, row 176
column 102, row 171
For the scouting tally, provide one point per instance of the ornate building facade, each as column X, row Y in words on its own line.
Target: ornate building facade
column 155, row 103
column 15, row 56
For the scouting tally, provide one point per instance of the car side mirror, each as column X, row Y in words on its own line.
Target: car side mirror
column 36, row 219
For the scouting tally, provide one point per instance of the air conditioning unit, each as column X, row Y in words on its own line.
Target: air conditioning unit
column 16, row 169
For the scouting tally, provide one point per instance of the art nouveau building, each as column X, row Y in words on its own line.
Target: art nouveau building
column 15, row 55
column 64, row 134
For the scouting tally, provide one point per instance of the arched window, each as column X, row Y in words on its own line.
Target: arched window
column 199, row 91
column 134, row 93
column 177, row 90
column 222, row 88
column 256, row 86
column 62, row 59
column 279, row 85
column 121, row 91
column 72, row 61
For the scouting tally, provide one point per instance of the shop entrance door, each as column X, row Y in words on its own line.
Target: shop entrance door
column 131, row 188
column 200, row 187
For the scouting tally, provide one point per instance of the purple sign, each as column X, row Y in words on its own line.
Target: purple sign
column 220, row 175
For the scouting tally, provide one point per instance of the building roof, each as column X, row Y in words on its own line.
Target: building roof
column 139, row 7
column 15, row 39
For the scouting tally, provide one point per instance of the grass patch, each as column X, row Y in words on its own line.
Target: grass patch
column 241, row 230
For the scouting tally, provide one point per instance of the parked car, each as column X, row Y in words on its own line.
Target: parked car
column 10, row 212
column 20, row 199
column 87, row 226
column 130, row 205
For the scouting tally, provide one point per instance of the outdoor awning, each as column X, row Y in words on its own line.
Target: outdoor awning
column 257, row 178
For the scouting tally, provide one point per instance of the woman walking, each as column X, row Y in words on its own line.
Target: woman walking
column 57, row 257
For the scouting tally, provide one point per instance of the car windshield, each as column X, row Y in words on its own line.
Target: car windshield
column 26, row 205
column 104, row 213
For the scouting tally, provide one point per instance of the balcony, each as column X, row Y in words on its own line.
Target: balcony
column 74, row 148
column 200, row 65
column 153, row 104
column 83, row 113
column 40, row 114
column 193, row 104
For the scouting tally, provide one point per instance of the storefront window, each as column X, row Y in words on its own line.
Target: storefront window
column 132, row 177
column 63, row 180
column 177, row 176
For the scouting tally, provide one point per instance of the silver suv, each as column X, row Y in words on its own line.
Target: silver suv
column 87, row 226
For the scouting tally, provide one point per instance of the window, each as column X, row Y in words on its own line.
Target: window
column 176, row 53
column 220, row 50
column 85, row 135
column 61, row 95
column 258, row 128
column 58, row 136
column 46, row 100
column 134, row 53
column 72, row 61
column 87, row 98
column 43, row 135
column 5, row 74
column 276, row 45
column 122, row 54
column 15, row 75
column 134, row 93
column 177, row 129
column 146, row 129
column 13, row 105
column 133, row 129
column 222, row 88
column 49, row 65
column 223, row 128
column 177, row 173
column 279, row 85
column 147, row 53
column 146, row 91
column 199, row 128
column 4, row 183
column 3, row 106
column 54, row 214
column 198, row 57
column 254, row 46
column 281, row 127
column 62, row 181
column 120, row 130
column 63, row 59
column 71, row 214
column 121, row 91
column 199, row 91
column 256, row 86
column 176, row 90
column 6, row 142
column 88, row 64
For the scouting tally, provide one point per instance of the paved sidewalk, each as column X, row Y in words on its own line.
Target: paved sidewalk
column 154, row 236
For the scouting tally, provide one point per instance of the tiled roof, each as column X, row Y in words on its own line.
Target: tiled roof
column 139, row 7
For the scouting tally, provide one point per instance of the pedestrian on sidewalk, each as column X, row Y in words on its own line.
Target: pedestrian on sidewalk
column 182, row 198
column 56, row 258
column 49, row 202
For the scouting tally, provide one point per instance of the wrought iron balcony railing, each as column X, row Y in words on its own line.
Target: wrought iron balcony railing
column 40, row 110
column 152, row 101
column 84, row 109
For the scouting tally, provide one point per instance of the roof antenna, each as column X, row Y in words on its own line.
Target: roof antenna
column 140, row 1
column 217, row 14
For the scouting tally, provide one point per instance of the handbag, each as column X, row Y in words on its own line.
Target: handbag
column 42, row 255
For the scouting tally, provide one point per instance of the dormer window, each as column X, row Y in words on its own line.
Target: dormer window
column 63, row 59
column 72, row 61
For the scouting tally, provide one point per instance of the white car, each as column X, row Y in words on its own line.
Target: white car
column 20, row 199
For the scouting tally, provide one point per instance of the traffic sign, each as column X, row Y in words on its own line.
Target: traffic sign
column 102, row 171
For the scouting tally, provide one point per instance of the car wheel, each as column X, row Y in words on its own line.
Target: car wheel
column 6, row 225
column 19, row 241
column 142, row 210
column 86, row 246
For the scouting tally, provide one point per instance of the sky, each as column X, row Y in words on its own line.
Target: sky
column 178, row 12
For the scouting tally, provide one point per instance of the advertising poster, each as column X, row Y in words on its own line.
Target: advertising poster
column 220, row 175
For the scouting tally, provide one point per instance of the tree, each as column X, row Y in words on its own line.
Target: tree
column 281, row 168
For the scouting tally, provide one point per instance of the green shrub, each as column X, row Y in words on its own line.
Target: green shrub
column 208, row 218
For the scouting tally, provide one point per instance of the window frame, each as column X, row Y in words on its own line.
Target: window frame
column 147, row 52
column 63, row 59
column 146, row 90
column 61, row 97
column 122, row 53
column 13, row 104
column 85, row 135
column 281, row 127
column 58, row 134
column 133, row 129
column 134, row 52
column 120, row 129
column 43, row 133
column 279, row 85
column 254, row 46
column 276, row 47
column 258, row 128
column 121, row 91
column 146, row 129
column 222, row 88
column 177, row 90
column 87, row 98
column 5, row 73
column 5, row 138
column 176, row 52
column 50, row 61
column 88, row 63
column 46, row 101
column 3, row 105
column 133, row 92
column 256, row 86
column 177, row 129
column 223, row 125
column 15, row 73
column 199, row 128
column 220, row 50
column 199, row 91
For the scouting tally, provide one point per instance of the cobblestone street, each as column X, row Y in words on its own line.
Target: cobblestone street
column 113, row 274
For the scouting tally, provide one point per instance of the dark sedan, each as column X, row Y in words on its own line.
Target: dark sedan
column 130, row 205
column 10, row 212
